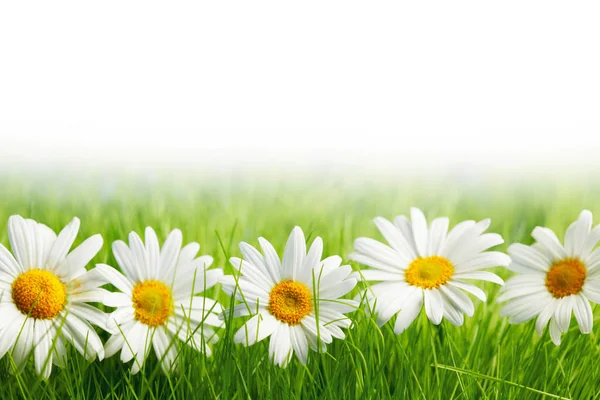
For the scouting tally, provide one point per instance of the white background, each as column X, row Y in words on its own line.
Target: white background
column 420, row 85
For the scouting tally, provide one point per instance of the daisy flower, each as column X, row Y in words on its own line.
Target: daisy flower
column 158, row 302
column 555, row 281
column 43, row 295
column 294, row 301
column 427, row 266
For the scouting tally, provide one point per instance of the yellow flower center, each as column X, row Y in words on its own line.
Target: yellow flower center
column 290, row 301
column 429, row 272
column 39, row 294
column 566, row 277
column 152, row 302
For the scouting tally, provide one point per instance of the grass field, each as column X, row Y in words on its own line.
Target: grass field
column 485, row 359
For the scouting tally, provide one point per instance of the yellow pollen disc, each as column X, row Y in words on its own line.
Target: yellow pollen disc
column 39, row 294
column 566, row 277
column 152, row 302
column 290, row 301
column 429, row 272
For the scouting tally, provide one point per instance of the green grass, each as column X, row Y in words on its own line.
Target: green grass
column 485, row 359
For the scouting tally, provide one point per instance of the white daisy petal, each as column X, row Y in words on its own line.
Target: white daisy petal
column 480, row 275
column 256, row 263
column 90, row 296
column 330, row 263
column 280, row 345
column 386, row 288
column 335, row 331
column 467, row 287
column 139, row 257
column 314, row 335
column 294, row 254
column 524, row 308
column 48, row 236
column 593, row 263
column 241, row 310
column 118, row 318
column 272, row 262
column 164, row 345
column 18, row 235
column 42, row 354
column 529, row 257
column 313, row 258
column 88, row 280
column 576, row 235
column 117, row 300
column 197, row 281
column 380, row 252
column 38, row 251
column 59, row 356
column 374, row 263
column 6, row 281
column 474, row 247
column 420, row 231
column 391, row 303
column 24, row 344
column 583, row 313
column 396, row 238
column 454, row 316
column 484, row 260
column 10, row 331
column 256, row 329
column 454, row 237
column 548, row 239
column 252, row 273
column 458, row 299
column 591, row 290
column 525, row 280
column 333, row 317
column 299, row 343
column 200, row 310
column 142, row 353
column 544, row 316
column 91, row 314
column 252, row 293
column 84, row 337
column 590, row 243
column 133, row 340
column 115, row 278
column 409, row 312
column 434, row 305
column 169, row 254
column 338, row 290
column 332, row 279
column 188, row 252
column 563, row 312
column 522, row 269
column 116, row 341
column 8, row 264
column 126, row 260
column 80, row 256
column 152, row 252
column 437, row 235
column 63, row 243
column 555, row 331
column 407, row 239
column 519, row 291
column 375, row 275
